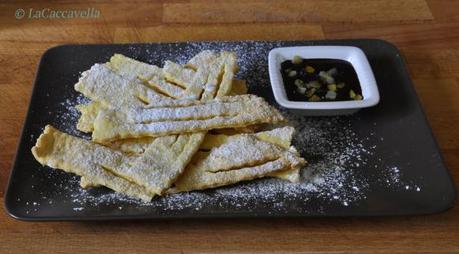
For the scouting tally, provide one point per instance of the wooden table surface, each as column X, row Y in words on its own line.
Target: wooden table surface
column 427, row 33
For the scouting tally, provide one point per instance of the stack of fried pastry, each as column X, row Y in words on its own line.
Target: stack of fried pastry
column 158, row 131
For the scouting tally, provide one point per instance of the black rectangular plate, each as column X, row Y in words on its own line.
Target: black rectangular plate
column 401, row 173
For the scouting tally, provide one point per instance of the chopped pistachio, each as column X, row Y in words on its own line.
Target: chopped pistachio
column 314, row 84
column 352, row 94
column 332, row 71
column 331, row 95
column 301, row 90
column 309, row 69
column 314, row 98
column 332, row 87
column 292, row 74
column 299, row 83
column 297, row 60
column 358, row 97
column 340, row 85
column 326, row 77
column 311, row 92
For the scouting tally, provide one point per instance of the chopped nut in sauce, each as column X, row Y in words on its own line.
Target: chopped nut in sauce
column 292, row 73
column 332, row 87
column 309, row 69
column 297, row 60
column 314, row 98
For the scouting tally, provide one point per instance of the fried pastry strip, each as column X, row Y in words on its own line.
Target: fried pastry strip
column 201, row 59
column 240, row 111
column 89, row 113
column 140, row 177
column 201, row 174
column 90, row 110
column 84, row 158
column 151, row 75
column 208, row 77
column 113, row 91
column 164, row 160
column 280, row 136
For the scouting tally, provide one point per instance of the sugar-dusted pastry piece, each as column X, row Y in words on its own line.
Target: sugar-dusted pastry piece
column 84, row 158
column 132, row 146
column 163, row 161
column 291, row 175
column 159, row 161
column 209, row 75
column 179, row 74
column 283, row 138
column 227, row 106
column 280, row 136
column 89, row 113
column 150, row 74
column 133, row 69
column 178, row 81
column 198, row 179
column 215, row 79
column 193, row 81
column 103, row 85
column 87, row 182
column 233, row 131
column 204, row 75
column 239, row 151
column 201, row 59
column 225, row 112
column 90, row 110
column 215, row 72
column 197, row 175
column 113, row 91
column 142, row 176
column 230, row 67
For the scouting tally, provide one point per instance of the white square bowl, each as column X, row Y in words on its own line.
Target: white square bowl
column 353, row 55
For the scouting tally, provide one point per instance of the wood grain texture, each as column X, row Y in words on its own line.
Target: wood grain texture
column 227, row 32
column 425, row 32
column 296, row 11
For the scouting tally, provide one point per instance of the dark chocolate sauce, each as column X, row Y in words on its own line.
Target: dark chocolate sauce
column 345, row 73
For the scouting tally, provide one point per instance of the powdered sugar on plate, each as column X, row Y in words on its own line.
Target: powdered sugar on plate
column 69, row 114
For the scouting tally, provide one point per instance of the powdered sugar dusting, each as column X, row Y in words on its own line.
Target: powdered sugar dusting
column 69, row 114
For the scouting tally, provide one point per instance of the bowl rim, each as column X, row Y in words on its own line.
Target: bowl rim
column 354, row 55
